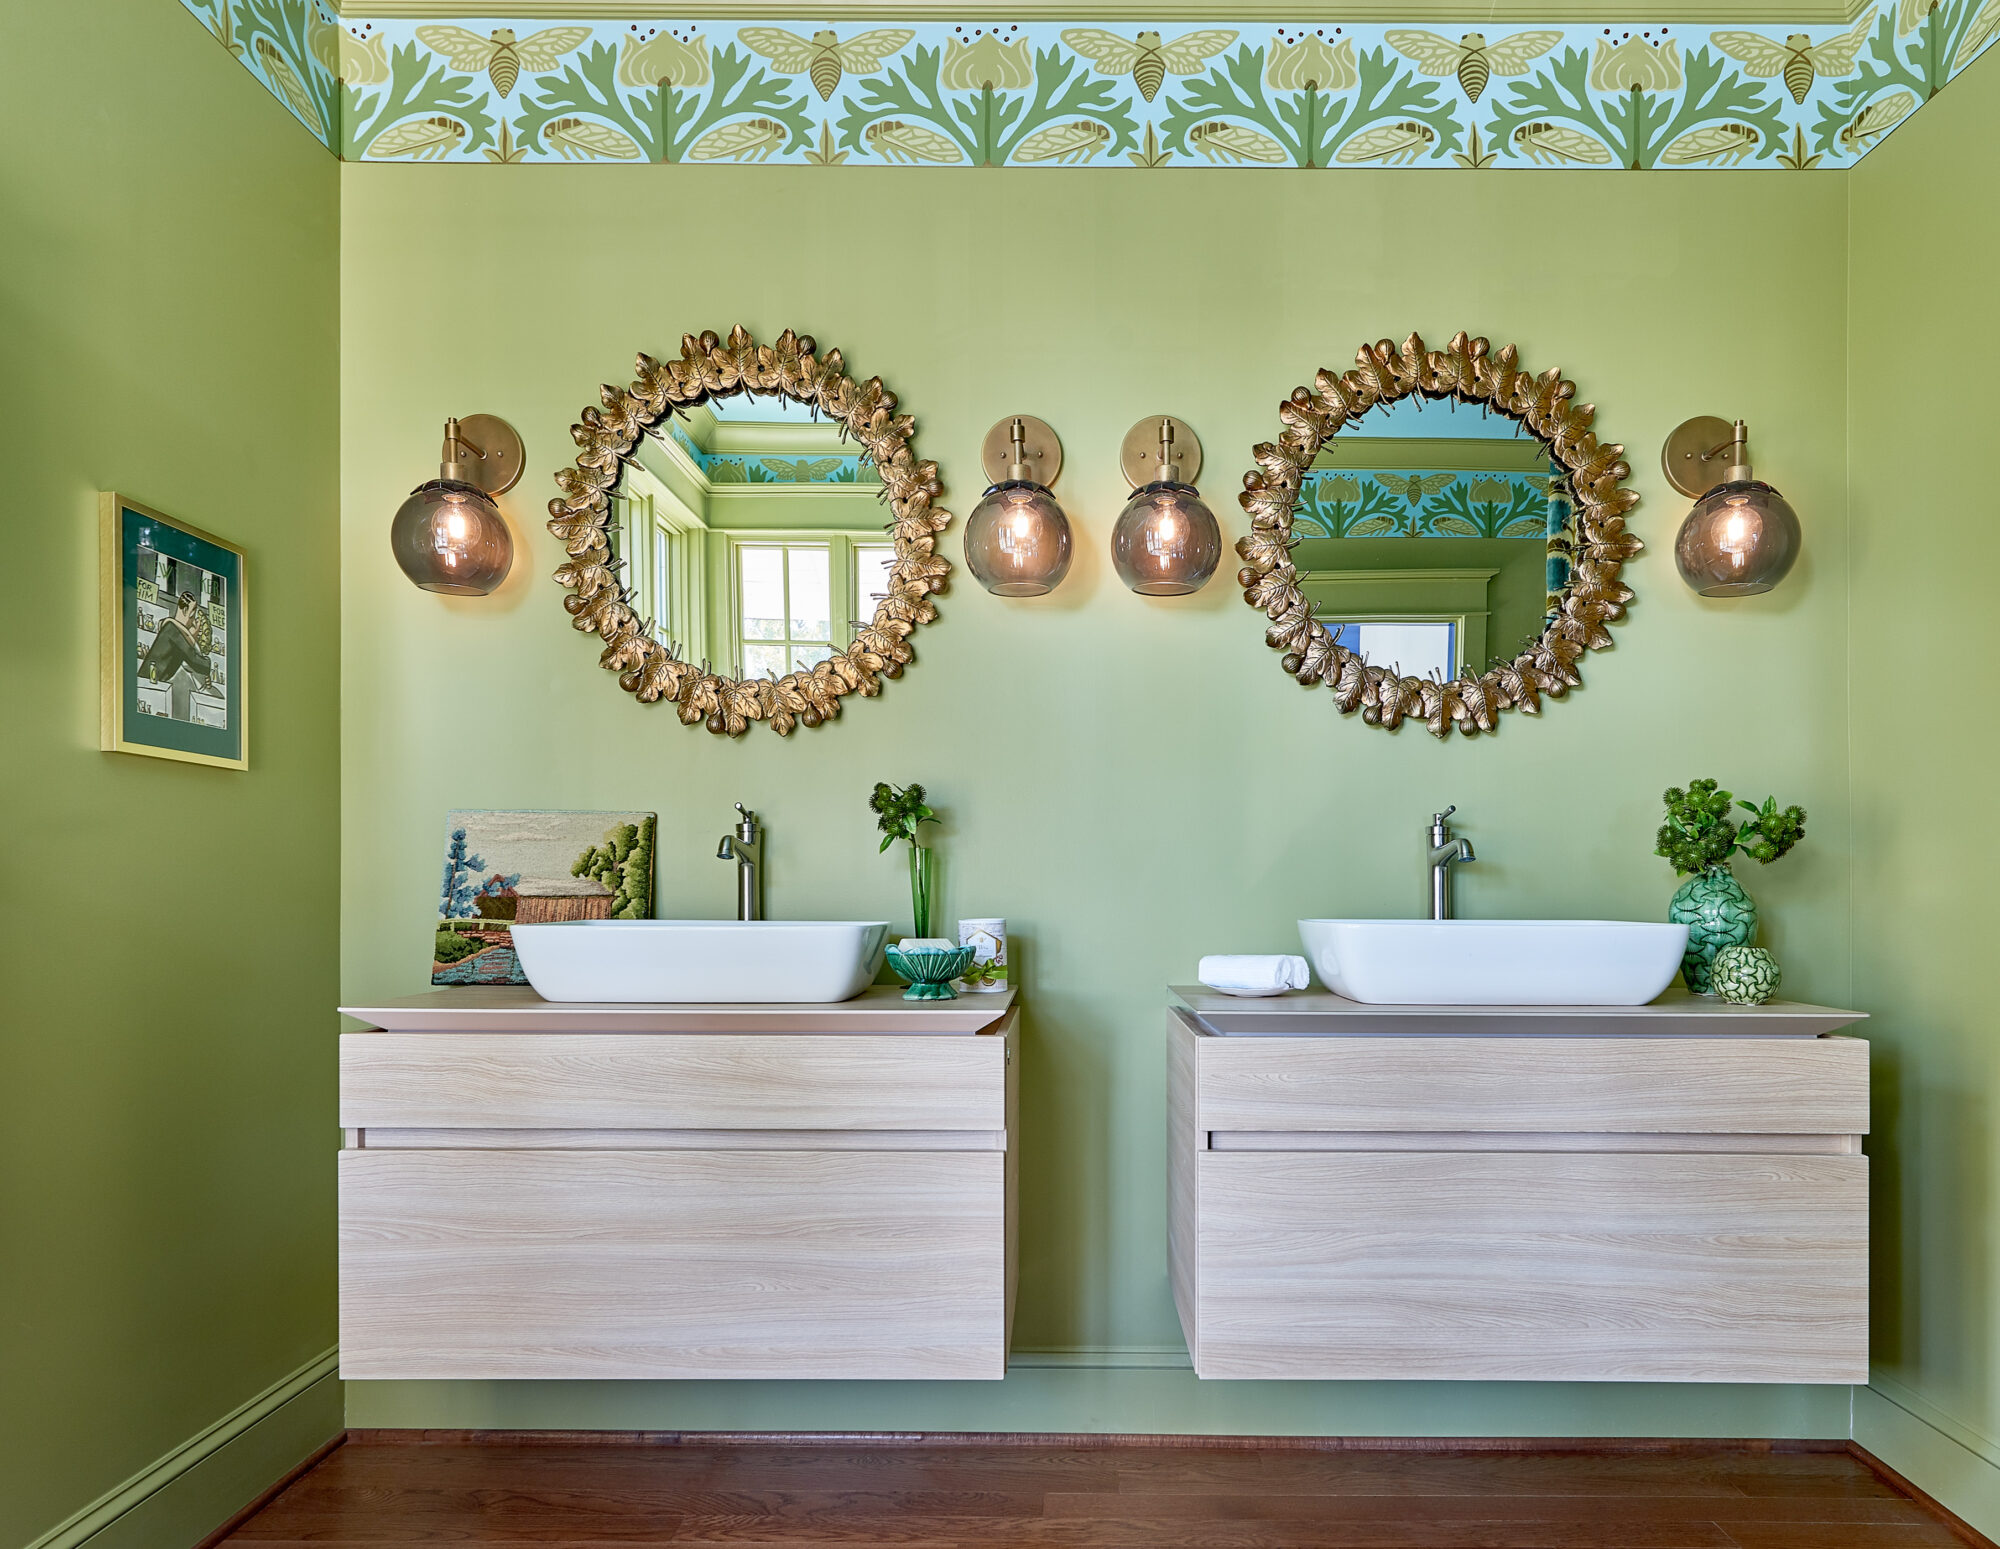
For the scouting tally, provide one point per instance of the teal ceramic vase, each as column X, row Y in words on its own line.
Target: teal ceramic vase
column 1744, row 976
column 929, row 970
column 1718, row 914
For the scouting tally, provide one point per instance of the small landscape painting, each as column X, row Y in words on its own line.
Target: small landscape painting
column 501, row 868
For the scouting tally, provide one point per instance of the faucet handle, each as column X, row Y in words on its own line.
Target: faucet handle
column 748, row 815
column 1437, row 818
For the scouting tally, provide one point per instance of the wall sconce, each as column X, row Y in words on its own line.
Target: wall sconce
column 1017, row 541
column 1166, row 542
column 449, row 536
column 1742, row 535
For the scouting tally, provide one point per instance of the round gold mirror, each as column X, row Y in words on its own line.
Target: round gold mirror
column 740, row 584
column 1437, row 535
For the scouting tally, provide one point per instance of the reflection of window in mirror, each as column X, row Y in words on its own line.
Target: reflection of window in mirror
column 872, row 563
column 1417, row 648
column 784, row 607
column 799, row 597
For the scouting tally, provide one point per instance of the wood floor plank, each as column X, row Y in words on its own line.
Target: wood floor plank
column 793, row 1495
column 1157, row 1533
column 1472, row 1507
column 1928, row 1534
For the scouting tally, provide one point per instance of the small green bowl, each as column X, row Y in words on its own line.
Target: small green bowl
column 929, row 970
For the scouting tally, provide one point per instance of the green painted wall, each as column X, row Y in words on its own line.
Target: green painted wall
column 1131, row 782
column 1924, row 219
column 168, row 252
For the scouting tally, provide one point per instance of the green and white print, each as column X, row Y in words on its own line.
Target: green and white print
column 1050, row 94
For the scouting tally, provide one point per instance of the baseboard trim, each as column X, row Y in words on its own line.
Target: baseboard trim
column 1086, row 1440
column 1914, row 1404
column 1923, row 1498
column 278, row 1487
column 115, row 1503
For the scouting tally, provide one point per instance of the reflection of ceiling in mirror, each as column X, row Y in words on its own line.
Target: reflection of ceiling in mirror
column 760, row 409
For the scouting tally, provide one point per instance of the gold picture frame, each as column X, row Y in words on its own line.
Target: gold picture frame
column 1598, row 547
column 172, row 680
column 600, row 603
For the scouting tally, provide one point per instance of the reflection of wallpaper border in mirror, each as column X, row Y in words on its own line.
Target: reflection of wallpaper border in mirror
column 682, row 534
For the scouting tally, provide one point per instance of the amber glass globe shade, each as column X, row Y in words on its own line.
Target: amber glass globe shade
column 450, row 537
column 1166, row 542
column 1017, row 541
column 1741, row 538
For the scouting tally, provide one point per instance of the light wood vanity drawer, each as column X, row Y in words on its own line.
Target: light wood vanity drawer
column 1778, row 1085
column 672, row 1264
column 640, row 1081
column 1628, row 1267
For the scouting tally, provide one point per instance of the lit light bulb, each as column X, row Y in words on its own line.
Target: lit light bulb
column 1017, row 540
column 1741, row 538
column 1166, row 542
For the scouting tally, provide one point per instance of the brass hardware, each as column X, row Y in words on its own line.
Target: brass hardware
column 1592, row 598
column 1742, row 537
column 449, row 536
column 599, row 602
column 491, row 453
column 1041, row 457
column 1141, row 455
column 1696, row 457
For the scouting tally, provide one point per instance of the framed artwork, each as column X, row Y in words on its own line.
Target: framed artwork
column 173, row 638
column 504, row 868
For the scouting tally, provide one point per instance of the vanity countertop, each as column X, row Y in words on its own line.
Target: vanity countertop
column 1320, row 1013
column 507, row 1008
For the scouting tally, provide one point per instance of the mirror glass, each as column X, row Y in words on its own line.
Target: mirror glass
column 752, row 536
column 1434, row 536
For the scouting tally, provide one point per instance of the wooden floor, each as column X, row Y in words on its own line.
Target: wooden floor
column 595, row 1495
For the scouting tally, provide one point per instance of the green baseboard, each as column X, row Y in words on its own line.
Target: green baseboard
column 186, row 1495
column 1954, row 1470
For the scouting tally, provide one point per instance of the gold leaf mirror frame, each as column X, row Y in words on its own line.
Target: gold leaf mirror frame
column 599, row 603
column 1592, row 598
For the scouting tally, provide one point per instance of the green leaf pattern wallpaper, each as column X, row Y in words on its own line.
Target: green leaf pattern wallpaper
column 1429, row 503
column 1047, row 94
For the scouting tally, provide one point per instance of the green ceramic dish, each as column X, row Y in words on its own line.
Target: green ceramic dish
column 929, row 970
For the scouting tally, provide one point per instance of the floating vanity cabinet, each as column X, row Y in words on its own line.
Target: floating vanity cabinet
column 1673, row 1192
column 538, row 1190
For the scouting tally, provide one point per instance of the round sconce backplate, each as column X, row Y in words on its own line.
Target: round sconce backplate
column 498, row 467
column 1686, row 459
column 1043, row 450
column 1139, row 452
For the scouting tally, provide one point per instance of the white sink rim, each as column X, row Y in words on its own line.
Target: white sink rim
column 1495, row 962
column 712, row 962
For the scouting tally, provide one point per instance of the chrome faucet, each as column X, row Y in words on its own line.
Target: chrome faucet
column 746, row 848
column 1444, row 850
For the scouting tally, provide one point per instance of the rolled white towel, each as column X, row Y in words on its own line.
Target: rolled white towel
column 1250, row 974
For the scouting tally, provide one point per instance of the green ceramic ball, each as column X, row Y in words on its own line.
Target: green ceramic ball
column 1744, row 976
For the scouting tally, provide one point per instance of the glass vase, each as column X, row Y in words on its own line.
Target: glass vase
column 923, row 888
column 1718, row 914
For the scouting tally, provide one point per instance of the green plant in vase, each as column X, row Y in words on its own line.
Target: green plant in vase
column 900, row 814
column 1699, row 836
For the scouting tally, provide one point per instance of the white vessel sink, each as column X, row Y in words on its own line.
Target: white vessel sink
column 1494, row 962
column 703, row 961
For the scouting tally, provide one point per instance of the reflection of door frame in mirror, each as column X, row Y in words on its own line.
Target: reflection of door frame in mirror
column 1592, row 595
column 1467, row 601
column 602, row 602
column 646, row 504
